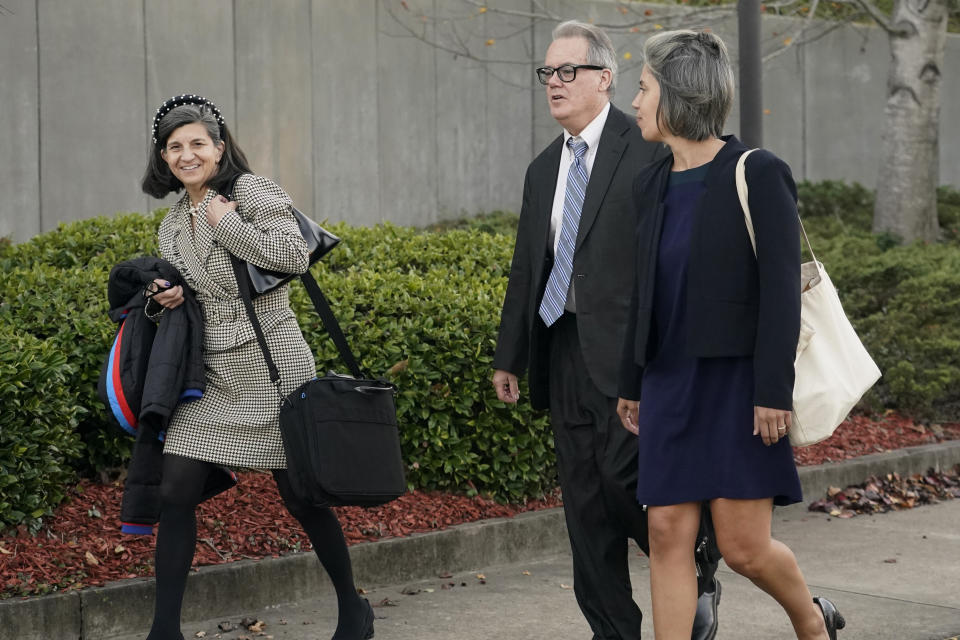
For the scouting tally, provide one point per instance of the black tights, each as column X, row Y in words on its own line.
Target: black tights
column 183, row 481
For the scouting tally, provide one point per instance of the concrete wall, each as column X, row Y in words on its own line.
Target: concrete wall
column 358, row 119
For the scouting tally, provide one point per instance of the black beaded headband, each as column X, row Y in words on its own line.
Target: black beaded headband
column 180, row 100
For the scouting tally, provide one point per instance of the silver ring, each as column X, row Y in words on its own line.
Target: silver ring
column 782, row 427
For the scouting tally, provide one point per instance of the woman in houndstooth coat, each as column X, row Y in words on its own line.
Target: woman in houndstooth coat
column 235, row 423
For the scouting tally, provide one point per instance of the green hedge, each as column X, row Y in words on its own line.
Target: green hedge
column 54, row 288
column 903, row 300
column 420, row 307
column 423, row 309
column 38, row 440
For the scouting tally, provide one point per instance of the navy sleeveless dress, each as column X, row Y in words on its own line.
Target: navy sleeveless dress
column 695, row 416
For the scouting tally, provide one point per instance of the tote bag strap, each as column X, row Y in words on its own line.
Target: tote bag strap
column 742, row 191
column 319, row 303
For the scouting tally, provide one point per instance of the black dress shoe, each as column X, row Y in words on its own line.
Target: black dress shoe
column 831, row 617
column 368, row 622
column 366, row 628
column 705, row 623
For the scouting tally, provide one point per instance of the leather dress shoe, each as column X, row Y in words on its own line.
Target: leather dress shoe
column 705, row 623
column 831, row 617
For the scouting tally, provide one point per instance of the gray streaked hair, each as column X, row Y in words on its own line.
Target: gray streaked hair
column 696, row 82
column 600, row 50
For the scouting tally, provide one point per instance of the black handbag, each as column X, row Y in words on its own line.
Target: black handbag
column 319, row 243
column 339, row 432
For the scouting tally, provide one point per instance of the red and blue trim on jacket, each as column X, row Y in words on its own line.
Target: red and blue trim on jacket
column 119, row 406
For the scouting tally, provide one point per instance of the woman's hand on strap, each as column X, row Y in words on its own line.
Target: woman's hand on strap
column 770, row 424
column 217, row 208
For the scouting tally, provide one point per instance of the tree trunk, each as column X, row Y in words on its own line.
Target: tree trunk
column 910, row 162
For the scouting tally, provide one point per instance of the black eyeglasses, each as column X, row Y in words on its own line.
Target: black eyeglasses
column 566, row 72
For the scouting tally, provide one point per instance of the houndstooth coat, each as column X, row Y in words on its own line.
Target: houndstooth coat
column 235, row 422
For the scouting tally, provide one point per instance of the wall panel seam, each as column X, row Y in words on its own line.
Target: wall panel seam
column 378, row 155
column 436, row 130
column 236, row 75
column 146, row 94
column 313, row 115
column 36, row 10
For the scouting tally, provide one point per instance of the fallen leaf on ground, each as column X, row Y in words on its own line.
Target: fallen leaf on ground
column 890, row 493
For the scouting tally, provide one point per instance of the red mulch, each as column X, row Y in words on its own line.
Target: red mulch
column 82, row 545
column 862, row 435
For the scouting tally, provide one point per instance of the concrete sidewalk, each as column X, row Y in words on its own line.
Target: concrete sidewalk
column 894, row 576
column 917, row 596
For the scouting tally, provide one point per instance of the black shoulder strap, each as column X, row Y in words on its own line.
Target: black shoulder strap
column 330, row 323
column 319, row 303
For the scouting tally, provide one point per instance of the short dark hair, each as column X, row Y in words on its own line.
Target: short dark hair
column 158, row 181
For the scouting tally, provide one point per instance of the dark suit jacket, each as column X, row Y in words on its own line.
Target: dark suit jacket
column 601, row 272
column 737, row 304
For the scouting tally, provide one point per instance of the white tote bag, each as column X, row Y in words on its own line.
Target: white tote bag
column 833, row 369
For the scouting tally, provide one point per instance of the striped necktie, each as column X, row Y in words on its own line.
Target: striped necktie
column 558, row 284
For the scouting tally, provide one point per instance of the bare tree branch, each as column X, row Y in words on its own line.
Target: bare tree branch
column 833, row 26
column 448, row 35
column 462, row 51
column 543, row 14
column 454, row 43
column 877, row 16
column 794, row 33
column 643, row 21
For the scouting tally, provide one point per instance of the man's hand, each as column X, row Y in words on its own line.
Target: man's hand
column 506, row 385
column 627, row 410
column 770, row 424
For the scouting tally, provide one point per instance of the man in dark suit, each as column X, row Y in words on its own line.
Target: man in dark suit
column 564, row 318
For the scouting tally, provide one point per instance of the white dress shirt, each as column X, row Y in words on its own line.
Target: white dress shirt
column 590, row 135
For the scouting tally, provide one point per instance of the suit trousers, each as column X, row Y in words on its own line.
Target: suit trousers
column 597, row 464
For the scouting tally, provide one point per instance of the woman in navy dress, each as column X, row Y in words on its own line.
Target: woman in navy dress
column 707, row 374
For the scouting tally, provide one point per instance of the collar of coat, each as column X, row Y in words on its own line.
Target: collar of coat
column 653, row 179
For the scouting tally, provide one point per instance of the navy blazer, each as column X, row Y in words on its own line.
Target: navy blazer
column 737, row 304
